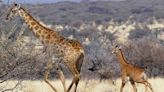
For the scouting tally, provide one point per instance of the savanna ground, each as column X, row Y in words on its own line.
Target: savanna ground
column 141, row 35
column 84, row 86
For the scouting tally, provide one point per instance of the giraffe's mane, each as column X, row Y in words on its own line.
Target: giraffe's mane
column 42, row 23
column 123, row 56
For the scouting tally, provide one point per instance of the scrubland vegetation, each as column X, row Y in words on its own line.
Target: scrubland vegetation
column 22, row 62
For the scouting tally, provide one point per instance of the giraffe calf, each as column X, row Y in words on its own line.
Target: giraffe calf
column 131, row 73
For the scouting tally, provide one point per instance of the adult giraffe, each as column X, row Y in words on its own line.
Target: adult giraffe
column 68, row 51
column 130, row 72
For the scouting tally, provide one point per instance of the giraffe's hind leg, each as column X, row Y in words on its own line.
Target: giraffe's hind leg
column 78, row 66
column 49, row 66
column 76, row 73
column 76, row 81
column 79, row 62
column 124, row 81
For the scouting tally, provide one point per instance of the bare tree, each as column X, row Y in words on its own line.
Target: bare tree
column 17, row 61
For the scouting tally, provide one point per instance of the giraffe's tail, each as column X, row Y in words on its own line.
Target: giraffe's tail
column 82, row 51
column 80, row 62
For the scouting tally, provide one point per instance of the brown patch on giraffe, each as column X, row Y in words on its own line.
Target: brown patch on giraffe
column 76, row 45
column 33, row 23
column 61, row 39
column 48, row 36
column 39, row 32
column 70, row 43
column 36, row 27
column 42, row 35
column 45, row 32
column 61, row 51
column 37, row 35
column 36, row 31
column 54, row 36
column 53, row 33
column 30, row 27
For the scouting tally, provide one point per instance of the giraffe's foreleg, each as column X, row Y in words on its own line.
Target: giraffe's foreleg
column 48, row 68
column 144, row 82
column 149, row 85
column 70, row 86
column 133, row 85
column 62, row 78
column 124, row 81
column 122, row 86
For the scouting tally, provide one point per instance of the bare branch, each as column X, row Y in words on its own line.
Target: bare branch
column 16, row 85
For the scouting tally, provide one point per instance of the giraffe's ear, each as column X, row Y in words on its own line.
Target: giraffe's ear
column 15, row 4
column 18, row 6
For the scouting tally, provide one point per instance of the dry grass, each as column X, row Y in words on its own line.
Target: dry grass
column 86, row 86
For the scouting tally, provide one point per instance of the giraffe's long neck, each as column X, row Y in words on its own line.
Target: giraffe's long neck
column 43, row 33
column 121, row 58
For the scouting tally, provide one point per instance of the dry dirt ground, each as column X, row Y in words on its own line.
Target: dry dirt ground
column 84, row 86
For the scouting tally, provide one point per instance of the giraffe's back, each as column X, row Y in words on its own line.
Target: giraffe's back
column 67, row 48
column 134, row 72
column 72, row 48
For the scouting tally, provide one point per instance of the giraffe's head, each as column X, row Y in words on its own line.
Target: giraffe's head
column 13, row 11
column 116, row 49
